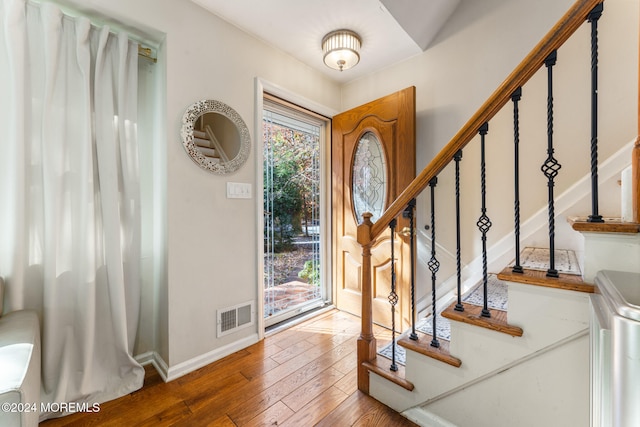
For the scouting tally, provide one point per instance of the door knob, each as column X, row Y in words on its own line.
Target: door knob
column 406, row 231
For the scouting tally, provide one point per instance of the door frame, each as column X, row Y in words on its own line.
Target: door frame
column 262, row 86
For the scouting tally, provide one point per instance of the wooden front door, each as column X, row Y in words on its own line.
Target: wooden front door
column 372, row 161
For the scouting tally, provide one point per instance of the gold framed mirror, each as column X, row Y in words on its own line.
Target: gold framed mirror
column 215, row 136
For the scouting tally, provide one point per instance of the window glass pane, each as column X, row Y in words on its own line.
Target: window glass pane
column 291, row 211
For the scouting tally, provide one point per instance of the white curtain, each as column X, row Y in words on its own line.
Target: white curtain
column 70, row 198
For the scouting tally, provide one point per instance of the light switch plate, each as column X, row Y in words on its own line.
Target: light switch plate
column 238, row 190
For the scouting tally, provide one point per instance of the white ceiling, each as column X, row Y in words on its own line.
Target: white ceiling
column 391, row 30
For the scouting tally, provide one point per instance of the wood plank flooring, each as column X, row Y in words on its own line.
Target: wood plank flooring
column 302, row 376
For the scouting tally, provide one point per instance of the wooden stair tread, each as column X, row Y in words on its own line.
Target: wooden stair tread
column 610, row 225
column 423, row 346
column 472, row 315
column 536, row 277
column 380, row 366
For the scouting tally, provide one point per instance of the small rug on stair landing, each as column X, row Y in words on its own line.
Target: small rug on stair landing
column 497, row 299
column 538, row 259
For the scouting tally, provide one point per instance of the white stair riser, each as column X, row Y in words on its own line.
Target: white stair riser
column 481, row 351
column 423, row 417
column 549, row 390
column 609, row 251
column 392, row 395
column 546, row 315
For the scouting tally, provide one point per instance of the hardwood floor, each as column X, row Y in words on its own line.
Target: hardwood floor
column 302, row 376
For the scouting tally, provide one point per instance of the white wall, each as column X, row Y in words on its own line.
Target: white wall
column 208, row 260
column 474, row 52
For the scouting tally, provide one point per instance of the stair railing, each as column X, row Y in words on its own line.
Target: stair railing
column 510, row 90
column 393, row 296
column 216, row 144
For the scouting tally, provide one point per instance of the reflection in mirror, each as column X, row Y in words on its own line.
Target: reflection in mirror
column 215, row 136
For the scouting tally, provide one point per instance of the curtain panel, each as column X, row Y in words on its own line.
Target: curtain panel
column 70, row 197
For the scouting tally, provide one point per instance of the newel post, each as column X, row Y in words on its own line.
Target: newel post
column 635, row 176
column 366, row 341
column 635, row 166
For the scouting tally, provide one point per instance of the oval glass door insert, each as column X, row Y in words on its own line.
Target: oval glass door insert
column 369, row 185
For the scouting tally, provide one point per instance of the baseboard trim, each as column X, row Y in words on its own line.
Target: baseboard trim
column 183, row 368
column 423, row 417
column 153, row 358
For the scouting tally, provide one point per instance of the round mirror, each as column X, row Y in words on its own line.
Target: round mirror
column 215, row 136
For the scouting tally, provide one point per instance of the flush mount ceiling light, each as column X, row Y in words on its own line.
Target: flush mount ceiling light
column 341, row 49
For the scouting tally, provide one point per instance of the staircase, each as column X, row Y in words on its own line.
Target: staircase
column 503, row 369
column 528, row 363
column 207, row 143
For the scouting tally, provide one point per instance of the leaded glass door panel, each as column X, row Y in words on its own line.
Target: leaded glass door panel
column 369, row 177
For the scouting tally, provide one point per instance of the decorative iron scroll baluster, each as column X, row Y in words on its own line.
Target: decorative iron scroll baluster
column 484, row 223
column 409, row 212
column 595, row 14
column 515, row 97
column 393, row 297
column 551, row 166
column 434, row 264
column 459, row 306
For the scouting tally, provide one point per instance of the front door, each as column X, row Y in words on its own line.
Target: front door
column 372, row 162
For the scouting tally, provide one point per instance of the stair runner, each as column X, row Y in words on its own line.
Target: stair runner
column 530, row 258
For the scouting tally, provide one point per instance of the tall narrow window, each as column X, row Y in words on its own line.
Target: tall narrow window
column 293, row 225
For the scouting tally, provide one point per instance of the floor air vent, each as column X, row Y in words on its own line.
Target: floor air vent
column 231, row 319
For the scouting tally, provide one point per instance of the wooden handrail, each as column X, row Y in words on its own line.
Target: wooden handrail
column 555, row 38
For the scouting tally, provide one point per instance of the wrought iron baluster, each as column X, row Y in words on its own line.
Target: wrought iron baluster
column 484, row 223
column 551, row 166
column 393, row 297
column 594, row 15
column 459, row 306
column 515, row 97
column 434, row 264
column 409, row 213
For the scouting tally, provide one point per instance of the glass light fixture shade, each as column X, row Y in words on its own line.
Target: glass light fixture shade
column 341, row 49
